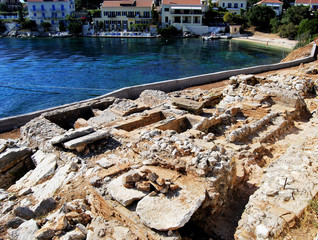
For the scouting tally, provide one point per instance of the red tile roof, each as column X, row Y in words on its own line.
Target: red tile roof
column 182, row 2
column 306, row 2
column 270, row 1
column 122, row 3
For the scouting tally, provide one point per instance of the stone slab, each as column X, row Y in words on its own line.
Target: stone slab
column 169, row 212
column 71, row 135
column 125, row 196
column 12, row 156
column 87, row 139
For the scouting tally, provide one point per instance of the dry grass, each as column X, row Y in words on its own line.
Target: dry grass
column 307, row 225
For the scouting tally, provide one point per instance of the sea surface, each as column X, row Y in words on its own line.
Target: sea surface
column 40, row 73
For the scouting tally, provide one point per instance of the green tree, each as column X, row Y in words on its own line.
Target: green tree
column 21, row 15
column 260, row 16
column 75, row 27
column 154, row 16
column 2, row 27
column 308, row 26
column 170, row 31
column 275, row 23
column 295, row 14
column 228, row 17
column 29, row 24
column 288, row 31
column 212, row 16
column 62, row 26
column 46, row 26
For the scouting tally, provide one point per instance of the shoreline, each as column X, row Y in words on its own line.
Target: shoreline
column 273, row 42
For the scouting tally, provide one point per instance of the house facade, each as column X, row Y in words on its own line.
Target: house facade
column 13, row 4
column 233, row 6
column 276, row 5
column 52, row 11
column 313, row 4
column 183, row 14
column 121, row 15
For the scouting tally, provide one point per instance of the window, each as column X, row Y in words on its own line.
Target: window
column 166, row 19
column 52, row 22
column 63, row 14
column 177, row 20
column 112, row 14
column 147, row 14
column 124, row 13
column 42, row 8
column 242, row 5
column 166, row 9
column 105, row 13
column 131, row 14
column 118, row 13
column 53, row 7
column 34, row 14
column 62, row 7
column 235, row 5
column 43, row 15
column 137, row 14
column 34, row 8
column 229, row 5
column 223, row 4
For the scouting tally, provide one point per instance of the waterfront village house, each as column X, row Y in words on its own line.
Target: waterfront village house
column 13, row 4
column 312, row 3
column 233, row 6
column 52, row 11
column 276, row 5
column 185, row 15
column 235, row 29
column 120, row 15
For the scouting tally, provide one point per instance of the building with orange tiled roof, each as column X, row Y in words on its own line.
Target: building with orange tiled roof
column 276, row 5
column 312, row 3
column 233, row 6
column 184, row 14
column 122, row 14
column 52, row 11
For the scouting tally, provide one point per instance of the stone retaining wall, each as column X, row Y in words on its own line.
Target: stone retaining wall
column 10, row 123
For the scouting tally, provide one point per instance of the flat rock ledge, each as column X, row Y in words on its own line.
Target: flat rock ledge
column 170, row 212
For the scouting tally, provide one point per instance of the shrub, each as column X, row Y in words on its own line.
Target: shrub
column 170, row 31
column 260, row 16
column 288, row 31
column 29, row 24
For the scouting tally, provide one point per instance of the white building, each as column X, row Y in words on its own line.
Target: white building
column 276, row 5
column 121, row 14
column 233, row 6
column 52, row 11
column 184, row 14
column 312, row 3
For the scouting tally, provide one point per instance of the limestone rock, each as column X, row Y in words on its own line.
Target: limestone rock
column 24, row 212
column 75, row 234
column 105, row 163
column 45, row 206
column 165, row 213
column 26, row 230
column 43, row 171
column 15, row 222
column 71, row 135
column 124, row 195
column 44, row 234
column 12, row 156
column 87, row 139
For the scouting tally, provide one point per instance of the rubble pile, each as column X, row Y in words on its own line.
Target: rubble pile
column 144, row 168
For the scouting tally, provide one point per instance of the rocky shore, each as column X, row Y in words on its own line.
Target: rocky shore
column 237, row 161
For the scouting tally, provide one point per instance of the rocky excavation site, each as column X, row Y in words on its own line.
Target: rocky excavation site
column 237, row 161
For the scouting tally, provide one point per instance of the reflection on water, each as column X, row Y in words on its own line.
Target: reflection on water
column 41, row 73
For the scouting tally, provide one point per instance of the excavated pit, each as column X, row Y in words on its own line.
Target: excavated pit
column 187, row 167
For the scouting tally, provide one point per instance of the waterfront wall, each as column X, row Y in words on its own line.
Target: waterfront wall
column 10, row 123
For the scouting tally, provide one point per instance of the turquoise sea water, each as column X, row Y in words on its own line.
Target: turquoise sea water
column 40, row 73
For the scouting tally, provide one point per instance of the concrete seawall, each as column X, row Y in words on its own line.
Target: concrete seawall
column 10, row 123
